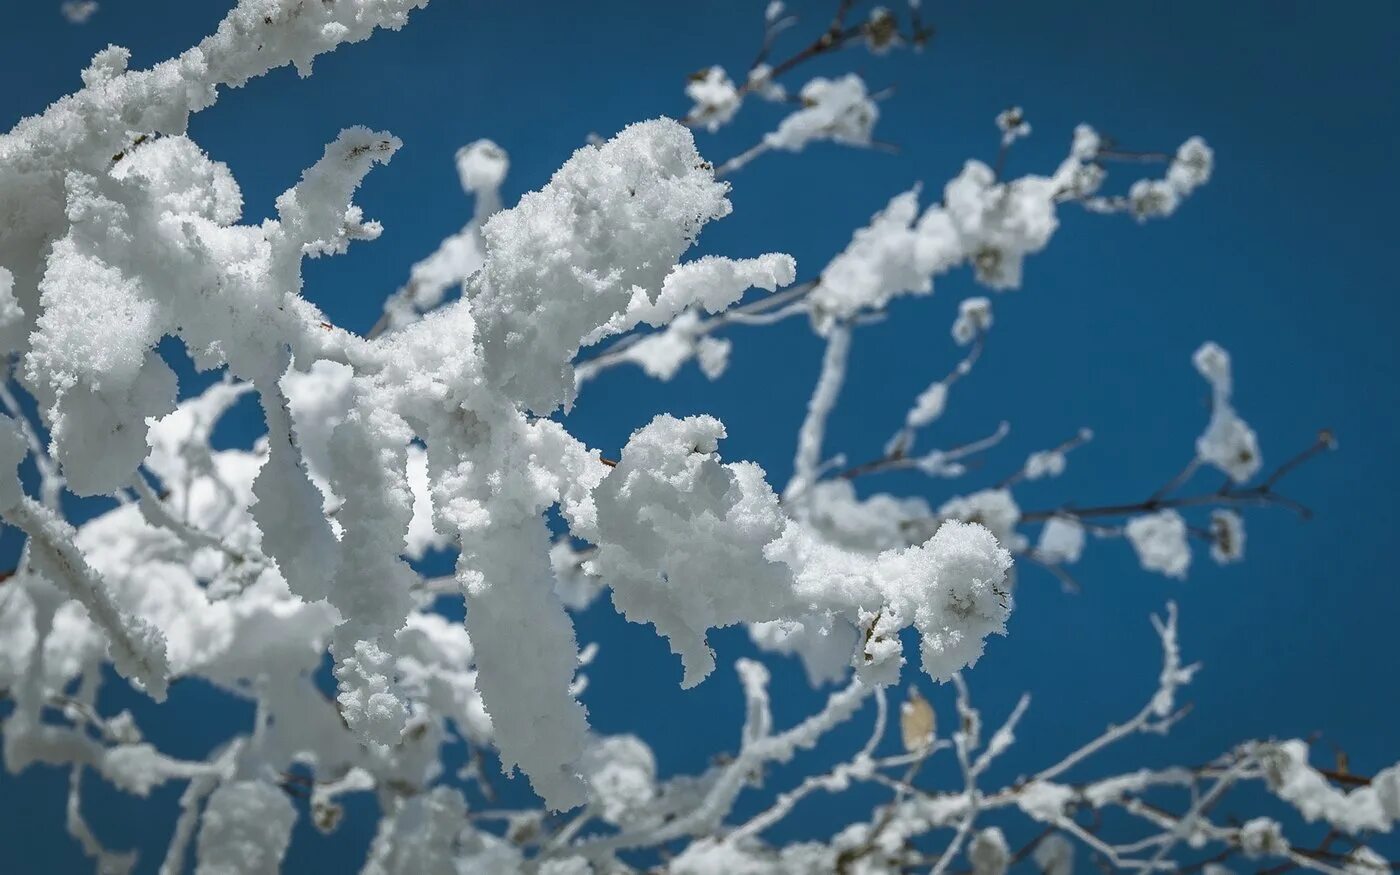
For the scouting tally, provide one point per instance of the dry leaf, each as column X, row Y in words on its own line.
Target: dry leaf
column 916, row 722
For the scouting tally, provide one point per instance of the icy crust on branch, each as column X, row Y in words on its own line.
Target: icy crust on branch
column 689, row 543
column 81, row 133
column 1189, row 169
column 137, row 649
column 155, row 235
column 594, row 253
column 992, row 225
column 989, row 223
column 662, row 353
column 1375, row 806
column 188, row 564
column 570, row 264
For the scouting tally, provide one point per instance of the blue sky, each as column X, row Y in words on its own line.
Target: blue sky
column 1285, row 258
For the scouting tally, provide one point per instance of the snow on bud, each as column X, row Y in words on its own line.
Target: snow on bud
column 180, row 179
column 881, row 31
column 1228, row 442
column 994, row 508
column 1213, row 363
column 996, row 225
column 1263, row 837
column 1191, row 167
column 1085, row 146
column 1160, row 542
column 1360, row 860
column 974, row 318
column 965, row 599
column 1153, row 199
column 839, row 110
column 951, row 589
column 716, row 98
column 1013, row 125
column 1061, row 540
column 761, row 83
column 1226, row 536
column 481, row 166
column 1084, row 181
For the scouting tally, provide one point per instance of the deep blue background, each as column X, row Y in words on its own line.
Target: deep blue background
column 1285, row 259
